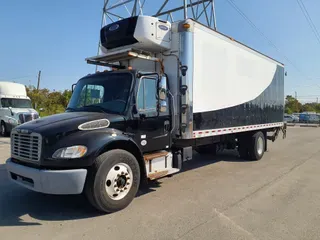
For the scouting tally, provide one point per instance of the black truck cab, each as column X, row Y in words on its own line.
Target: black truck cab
column 123, row 114
column 130, row 102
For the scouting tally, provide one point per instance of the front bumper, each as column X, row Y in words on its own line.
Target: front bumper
column 47, row 181
column 11, row 126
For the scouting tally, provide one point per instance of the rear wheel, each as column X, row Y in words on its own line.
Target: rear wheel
column 113, row 181
column 257, row 146
column 252, row 147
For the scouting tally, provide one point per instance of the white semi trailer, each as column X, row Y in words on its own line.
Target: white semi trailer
column 173, row 87
column 15, row 107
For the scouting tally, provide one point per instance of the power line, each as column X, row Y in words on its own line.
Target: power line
column 262, row 34
column 309, row 20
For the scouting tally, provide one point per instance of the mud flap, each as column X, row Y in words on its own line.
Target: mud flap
column 284, row 130
column 276, row 133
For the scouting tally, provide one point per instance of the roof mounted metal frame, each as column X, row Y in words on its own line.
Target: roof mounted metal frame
column 201, row 10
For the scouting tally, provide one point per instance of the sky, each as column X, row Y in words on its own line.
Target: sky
column 56, row 37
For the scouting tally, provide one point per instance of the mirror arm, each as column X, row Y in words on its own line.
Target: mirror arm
column 11, row 111
column 72, row 87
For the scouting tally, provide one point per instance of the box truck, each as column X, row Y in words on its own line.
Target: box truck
column 169, row 89
column 15, row 107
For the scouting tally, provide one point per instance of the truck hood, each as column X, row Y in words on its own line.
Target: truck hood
column 67, row 122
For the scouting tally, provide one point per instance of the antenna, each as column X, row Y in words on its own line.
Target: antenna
column 202, row 11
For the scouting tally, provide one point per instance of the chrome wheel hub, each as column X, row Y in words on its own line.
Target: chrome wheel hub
column 119, row 181
column 260, row 145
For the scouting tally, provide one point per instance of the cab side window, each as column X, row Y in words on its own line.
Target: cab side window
column 147, row 101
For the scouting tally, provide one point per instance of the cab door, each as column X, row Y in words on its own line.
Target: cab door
column 152, row 131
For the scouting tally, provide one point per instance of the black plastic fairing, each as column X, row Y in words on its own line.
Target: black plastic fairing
column 119, row 33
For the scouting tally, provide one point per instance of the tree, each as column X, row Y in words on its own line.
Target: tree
column 310, row 107
column 51, row 102
column 292, row 105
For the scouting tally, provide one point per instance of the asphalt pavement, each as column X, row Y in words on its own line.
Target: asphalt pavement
column 220, row 197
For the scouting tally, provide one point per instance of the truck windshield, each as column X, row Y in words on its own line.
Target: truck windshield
column 106, row 92
column 15, row 103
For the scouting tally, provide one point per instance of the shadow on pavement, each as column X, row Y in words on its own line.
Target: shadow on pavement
column 202, row 160
column 42, row 207
column 16, row 201
column 198, row 161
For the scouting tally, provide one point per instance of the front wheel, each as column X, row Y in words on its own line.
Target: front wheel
column 4, row 132
column 113, row 181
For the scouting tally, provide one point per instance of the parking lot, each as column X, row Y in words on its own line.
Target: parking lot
column 218, row 197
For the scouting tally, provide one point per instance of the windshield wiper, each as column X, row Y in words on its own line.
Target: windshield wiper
column 94, row 106
column 71, row 109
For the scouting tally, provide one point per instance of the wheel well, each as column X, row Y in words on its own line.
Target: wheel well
column 131, row 148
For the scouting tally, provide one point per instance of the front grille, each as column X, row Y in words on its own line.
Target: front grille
column 27, row 117
column 26, row 146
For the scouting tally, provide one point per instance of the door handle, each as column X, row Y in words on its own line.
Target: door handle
column 167, row 126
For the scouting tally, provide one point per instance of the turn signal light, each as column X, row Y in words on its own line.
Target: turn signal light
column 186, row 25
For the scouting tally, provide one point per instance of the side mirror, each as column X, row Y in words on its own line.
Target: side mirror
column 72, row 87
column 162, row 88
column 162, row 94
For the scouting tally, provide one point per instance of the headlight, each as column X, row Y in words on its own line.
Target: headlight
column 70, row 152
column 12, row 121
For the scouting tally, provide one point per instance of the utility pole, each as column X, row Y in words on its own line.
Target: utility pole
column 38, row 85
column 39, row 76
column 295, row 95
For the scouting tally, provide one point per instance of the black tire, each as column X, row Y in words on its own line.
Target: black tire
column 207, row 149
column 95, row 187
column 3, row 130
column 257, row 146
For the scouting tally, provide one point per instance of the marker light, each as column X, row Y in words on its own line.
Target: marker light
column 186, row 25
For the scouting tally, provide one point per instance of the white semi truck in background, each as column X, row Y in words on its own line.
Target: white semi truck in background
column 15, row 107
column 173, row 88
